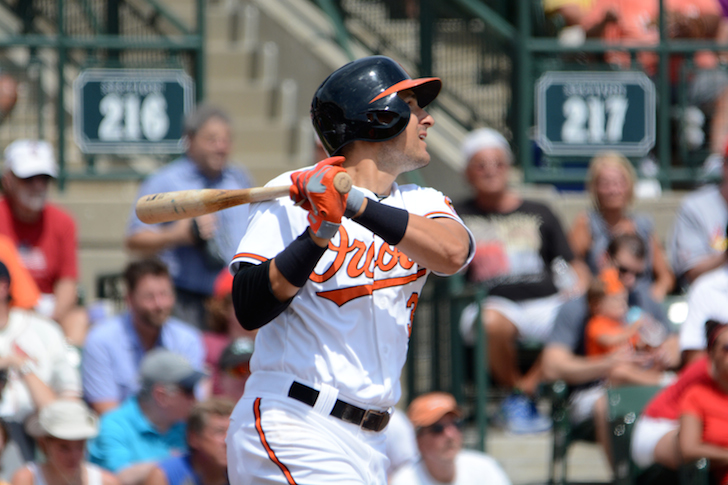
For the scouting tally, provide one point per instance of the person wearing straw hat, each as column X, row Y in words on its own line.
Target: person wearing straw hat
column 61, row 430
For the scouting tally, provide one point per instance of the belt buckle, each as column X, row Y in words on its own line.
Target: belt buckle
column 375, row 420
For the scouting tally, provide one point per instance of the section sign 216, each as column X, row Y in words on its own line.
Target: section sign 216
column 131, row 110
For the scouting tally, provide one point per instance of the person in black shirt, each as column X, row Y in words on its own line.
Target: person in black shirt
column 522, row 257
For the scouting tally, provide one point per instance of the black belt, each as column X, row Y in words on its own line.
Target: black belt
column 367, row 419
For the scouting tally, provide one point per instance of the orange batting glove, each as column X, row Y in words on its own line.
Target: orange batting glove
column 313, row 190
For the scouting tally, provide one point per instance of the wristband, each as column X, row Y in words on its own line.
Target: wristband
column 387, row 222
column 353, row 202
column 297, row 261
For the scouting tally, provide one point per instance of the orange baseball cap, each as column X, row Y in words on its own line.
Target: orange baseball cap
column 610, row 278
column 427, row 409
column 223, row 286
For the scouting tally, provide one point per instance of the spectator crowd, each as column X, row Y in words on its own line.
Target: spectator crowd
column 144, row 397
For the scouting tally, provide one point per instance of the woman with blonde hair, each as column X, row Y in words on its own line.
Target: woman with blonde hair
column 610, row 181
column 61, row 430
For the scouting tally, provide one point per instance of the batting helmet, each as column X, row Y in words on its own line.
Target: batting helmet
column 359, row 102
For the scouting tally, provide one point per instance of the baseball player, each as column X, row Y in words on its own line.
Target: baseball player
column 333, row 280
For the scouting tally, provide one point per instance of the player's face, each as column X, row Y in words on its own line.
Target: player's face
column 210, row 146
column 487, row 171
column 442, row 440
column 152, row 300
column 629, row 268
column 408, row 150
column 211, row 441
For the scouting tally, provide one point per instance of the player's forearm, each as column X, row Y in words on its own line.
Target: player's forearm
column 253, row 297
column 440, row 245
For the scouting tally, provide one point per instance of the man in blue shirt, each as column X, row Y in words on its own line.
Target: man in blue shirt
column 206, row 462
column 151, row 425
column 195, row 249
column 114, row 348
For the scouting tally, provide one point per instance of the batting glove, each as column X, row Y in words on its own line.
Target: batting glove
column 314, row 191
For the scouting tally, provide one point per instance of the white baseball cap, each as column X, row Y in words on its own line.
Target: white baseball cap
column 483, row 138
column 64, row 419
column 28, row 158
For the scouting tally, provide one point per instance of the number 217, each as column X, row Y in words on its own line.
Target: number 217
column 594, row 119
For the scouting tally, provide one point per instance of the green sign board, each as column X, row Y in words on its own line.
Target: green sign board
column 131, row 110
column 582, row 113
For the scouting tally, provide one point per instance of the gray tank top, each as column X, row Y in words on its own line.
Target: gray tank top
column 601, row 236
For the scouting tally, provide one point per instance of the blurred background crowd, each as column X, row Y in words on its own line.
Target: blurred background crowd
column 583, row 142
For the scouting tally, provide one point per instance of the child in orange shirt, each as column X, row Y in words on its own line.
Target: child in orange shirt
column 607, row 329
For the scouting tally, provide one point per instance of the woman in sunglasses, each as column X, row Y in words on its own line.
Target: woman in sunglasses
column 610, row 181
column 703, row 419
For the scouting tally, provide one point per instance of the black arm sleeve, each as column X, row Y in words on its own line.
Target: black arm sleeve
column 253, row 299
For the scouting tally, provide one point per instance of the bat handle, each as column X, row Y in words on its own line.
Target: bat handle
column 342, row 182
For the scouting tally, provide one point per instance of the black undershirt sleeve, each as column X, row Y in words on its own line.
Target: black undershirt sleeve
column 253, row 299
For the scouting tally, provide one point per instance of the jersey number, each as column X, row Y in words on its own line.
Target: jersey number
column 412, row 303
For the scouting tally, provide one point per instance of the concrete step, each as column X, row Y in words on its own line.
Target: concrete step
column 243, row 100
column 526, row 458
column 230, row 64
column 263, row 137
column 219, row 24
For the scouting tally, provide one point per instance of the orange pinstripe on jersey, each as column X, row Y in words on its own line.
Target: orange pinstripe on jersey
column 344, row 295
column 268, row 449
column 251, row 256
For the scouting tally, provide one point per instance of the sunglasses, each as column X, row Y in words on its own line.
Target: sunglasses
column 439, row 428
column 624, row 271
column 239, row 371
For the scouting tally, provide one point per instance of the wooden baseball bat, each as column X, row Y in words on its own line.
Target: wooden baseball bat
column 173, row 206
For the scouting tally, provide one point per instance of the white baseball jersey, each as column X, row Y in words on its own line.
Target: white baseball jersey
column 349, row 326
column 707, row 299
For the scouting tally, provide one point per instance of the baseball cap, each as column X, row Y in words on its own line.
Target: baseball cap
column 223, row 285
column 162, row 366
column 236, row 354
column 612, row 284
column 482, row 138
column 4, row 273
column 427, row 409
column 64, row 419
column 28, row 158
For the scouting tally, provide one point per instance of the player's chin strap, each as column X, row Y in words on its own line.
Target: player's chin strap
column 387, row 222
